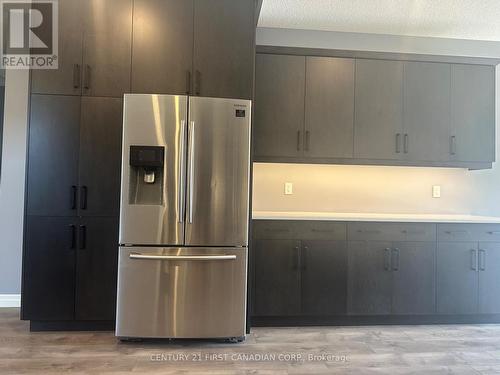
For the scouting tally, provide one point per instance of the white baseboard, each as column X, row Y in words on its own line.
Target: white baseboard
column 10, row 300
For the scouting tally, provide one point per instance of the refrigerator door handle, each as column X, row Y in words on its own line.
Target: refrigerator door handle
column 182, row 165
column 191, row 170
column 183, row 257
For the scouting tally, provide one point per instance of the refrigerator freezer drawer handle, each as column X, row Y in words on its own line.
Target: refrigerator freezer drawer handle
column 183, row 257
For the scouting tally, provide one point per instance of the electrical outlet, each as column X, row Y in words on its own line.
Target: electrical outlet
column 288, row 188
column 436, row 191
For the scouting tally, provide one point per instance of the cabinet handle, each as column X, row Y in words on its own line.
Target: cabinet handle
column 368, row 231
column 456, row 231
column 72, row 241
column 83, row 198
column 308, row 138
column 83, row 237
column 395, row 260
column 304, row 257
column 198, row 83
column 387, row 259
column 296, row 259
column 323, row 230
column 473, row 260
column 298, row 140
column 398, row 143
column 73, row 197
column 453, row 145
column 405, row 231
column 86, row 82
column 76, row 76
column 405, row 145
column 493, row 232
column 188, row 82
column 482, row 260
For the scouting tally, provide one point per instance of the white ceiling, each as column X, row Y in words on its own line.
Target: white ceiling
column 462, row 19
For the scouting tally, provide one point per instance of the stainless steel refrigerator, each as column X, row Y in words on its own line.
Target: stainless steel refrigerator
column 184, row 217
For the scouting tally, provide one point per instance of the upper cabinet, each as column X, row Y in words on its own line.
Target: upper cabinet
column 162, row 57
column 378, row 126
column 279, row 106
column 329, row 106
column 194, row 47
column 426, row 111
column 472, row 113
column 95, row 39
column 224, row 48
column 374, row 111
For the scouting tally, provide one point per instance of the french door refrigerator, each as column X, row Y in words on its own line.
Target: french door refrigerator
column 184, row 217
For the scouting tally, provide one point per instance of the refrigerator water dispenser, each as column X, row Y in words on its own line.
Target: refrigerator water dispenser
column 146, row 175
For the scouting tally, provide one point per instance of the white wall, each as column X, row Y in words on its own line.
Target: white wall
column 378, row 189
column 12, row 180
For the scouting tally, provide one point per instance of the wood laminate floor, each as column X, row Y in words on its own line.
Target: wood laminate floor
column 440, row 349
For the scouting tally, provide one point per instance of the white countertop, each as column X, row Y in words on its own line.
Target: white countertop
column 409, row 218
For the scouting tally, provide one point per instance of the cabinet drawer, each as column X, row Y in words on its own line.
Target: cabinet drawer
column 392, row 231
column 469, row 232
column 300, row 230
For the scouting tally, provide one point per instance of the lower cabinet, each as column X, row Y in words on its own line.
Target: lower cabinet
column 277, row 277
column 468, row 278
column 391, row 278
column 70, row 267
column 300, row 277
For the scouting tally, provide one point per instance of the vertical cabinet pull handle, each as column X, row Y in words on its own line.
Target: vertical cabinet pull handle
column 308, row 137
column 73, row 197
column 188, row 82
column 86, row 84
column 76, row 76
column 72, row 241
column 405, row 144
column 473, row 260
column 395, row 259
column 83, row 198
column 198, row 82
column 298, row 140
column 453, row 145
column 482, row 260
column 387, row 259
column 398, row 143
column 83, row 237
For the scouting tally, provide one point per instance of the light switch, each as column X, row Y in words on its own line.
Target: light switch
column 288, row 188
column 436, row 191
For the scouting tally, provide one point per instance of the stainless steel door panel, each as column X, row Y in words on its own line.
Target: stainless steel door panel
column 155, row 120
column 219, row 165
column 181, row 292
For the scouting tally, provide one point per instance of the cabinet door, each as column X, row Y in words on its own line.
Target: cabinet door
column 97, row 265
column 279, row 105
column 100, row 156
column 457, row 279
column 426, row 111
column 329, row 106
column 473, row 113
column 224, row 48
column 370, row 278
column 49, row 268
column 324, row 277
column 107, row 47
column 162, row 54
column 277, row 277
column 66, row 79
column 53, row 155
column 414, row 278
column 378, row 128
column 489, row 278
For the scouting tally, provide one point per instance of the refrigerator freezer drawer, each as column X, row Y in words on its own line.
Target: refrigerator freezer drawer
column 181, row 292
